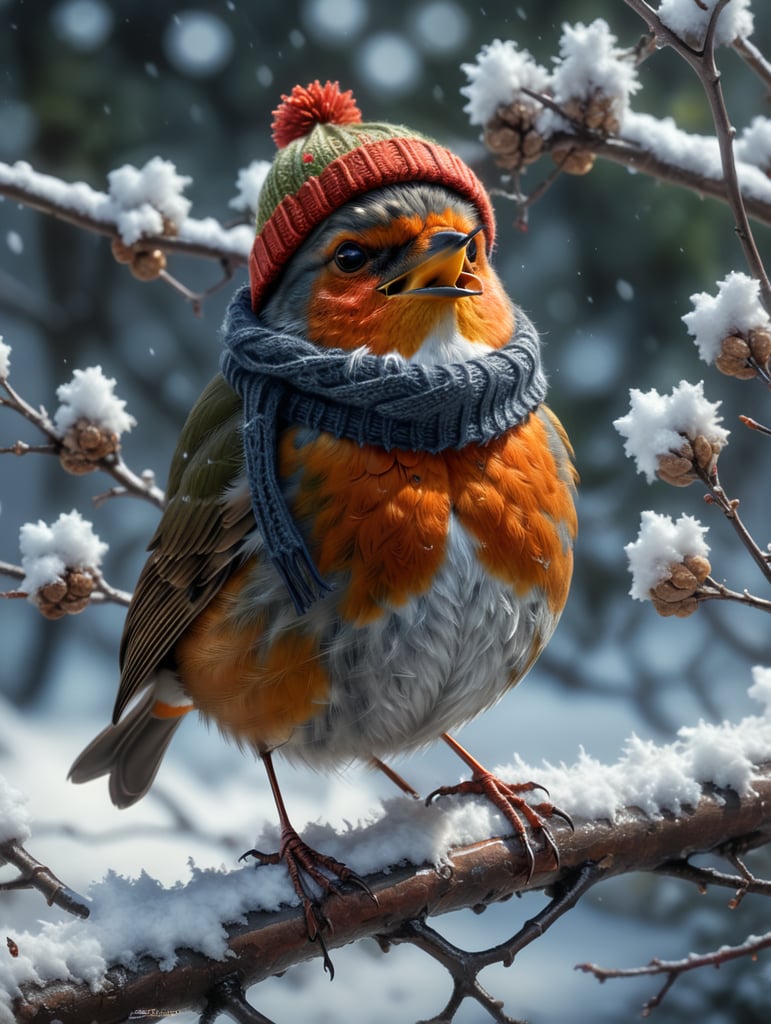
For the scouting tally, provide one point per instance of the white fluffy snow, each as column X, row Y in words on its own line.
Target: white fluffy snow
column 249, row 185
column 754, row 144
column 48, row 551
column 81, row 199
column 656, row 424
column 660, row 542
column 589, row 62
column 5, row 359
column 145, row 197
column 735, row 308
column 90, row 395
column 14, row 814
column 698, row 154
column 689, row 19
column 497, row 77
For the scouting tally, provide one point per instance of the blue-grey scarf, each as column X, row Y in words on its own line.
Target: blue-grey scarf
column 285, row 379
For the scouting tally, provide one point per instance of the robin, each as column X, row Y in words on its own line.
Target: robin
column 370, row 513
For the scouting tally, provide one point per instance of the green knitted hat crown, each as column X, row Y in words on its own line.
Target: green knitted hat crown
column 327, row 156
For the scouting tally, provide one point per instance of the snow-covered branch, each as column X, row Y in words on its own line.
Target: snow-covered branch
column 149, row 217
column 148, row 946
column 581, row 110
column 255, row 944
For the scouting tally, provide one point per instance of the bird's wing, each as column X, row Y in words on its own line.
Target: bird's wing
column 198, row 542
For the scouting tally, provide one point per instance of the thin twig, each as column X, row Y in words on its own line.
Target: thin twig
column 704, row 877
column 14, row 571
column 22, row 448
column 34, row 875
column 525, row 200
column 754, row 425
column 179, row 243
column 674, row 969
column 109, row 593
column 138, row 486
column 714, row 591
column 197, row 299
column 702, row 61
column 38, row 417
column 103, row 593
column 754, row 59
column 730, row 509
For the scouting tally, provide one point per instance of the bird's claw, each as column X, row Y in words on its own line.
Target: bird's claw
column 303, row 862
column 508, row 799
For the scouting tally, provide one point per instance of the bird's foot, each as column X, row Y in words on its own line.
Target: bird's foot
column 508, row 799
column 303, row 862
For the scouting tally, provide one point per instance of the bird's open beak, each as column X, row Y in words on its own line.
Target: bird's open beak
column 439, row 272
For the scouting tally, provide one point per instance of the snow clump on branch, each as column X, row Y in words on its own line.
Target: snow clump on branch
column 592, row 69
column 754, row 144
column 668, row 562
column 592, row 82
column 689, row 20
column 732, row 327
column 60, row 563
column 91, row 395
column 498, row 77
column 249, row 184
column 672, row 436
column 89, row 420
column 5, row 360
column 148, row 201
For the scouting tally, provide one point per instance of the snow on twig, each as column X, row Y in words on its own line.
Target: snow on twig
column 86, row 207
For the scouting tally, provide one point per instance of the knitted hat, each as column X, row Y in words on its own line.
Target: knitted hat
column 327, row 156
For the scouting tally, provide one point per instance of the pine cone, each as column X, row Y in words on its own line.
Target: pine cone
column 679, row 468
column 735, row 352
column 511, row 135
column 760, row 345
column 121, row 252
column 84, row 445
column 147, row 265
column 67, row 595
column 677, row 594
column 571, row 159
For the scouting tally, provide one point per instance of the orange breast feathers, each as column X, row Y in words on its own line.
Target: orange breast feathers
column 382, row 518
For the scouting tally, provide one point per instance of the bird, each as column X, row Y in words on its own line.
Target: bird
column 432, row 574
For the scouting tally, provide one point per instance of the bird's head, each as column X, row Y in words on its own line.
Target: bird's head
column 403, row 269
column 373, row 236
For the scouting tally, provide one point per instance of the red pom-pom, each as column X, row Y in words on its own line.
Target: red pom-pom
column 310, row 105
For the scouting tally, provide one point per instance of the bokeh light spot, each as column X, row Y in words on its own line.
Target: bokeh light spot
column 198, row 43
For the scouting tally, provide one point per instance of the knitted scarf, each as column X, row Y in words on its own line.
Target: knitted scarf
column 383, row 401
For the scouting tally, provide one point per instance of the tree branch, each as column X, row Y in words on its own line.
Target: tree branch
column 673, row 969
column 702, row 61
column 268, row 943
column 629, row 153
column 754, row 59
column 87, row 208
column 34, row 875
column 129, row 483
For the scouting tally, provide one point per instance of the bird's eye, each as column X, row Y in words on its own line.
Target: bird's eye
column 471, row 250
column 349, row 256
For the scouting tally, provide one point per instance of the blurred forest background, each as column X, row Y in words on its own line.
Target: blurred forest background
column 605, row 269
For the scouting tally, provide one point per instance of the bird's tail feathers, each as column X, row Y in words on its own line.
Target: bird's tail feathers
column 129, row 752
